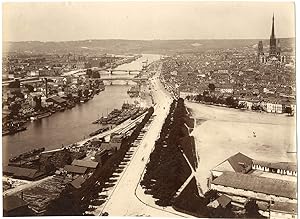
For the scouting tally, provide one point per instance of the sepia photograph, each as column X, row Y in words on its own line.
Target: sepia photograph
column 149, row 109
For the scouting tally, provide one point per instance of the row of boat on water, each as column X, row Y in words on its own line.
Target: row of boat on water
column 134, row 91
column 15, row 127
column 51, row 111
column 117, row 116
column 27, row 155
column 99, row 131
column 40, row 116
column 13, row 130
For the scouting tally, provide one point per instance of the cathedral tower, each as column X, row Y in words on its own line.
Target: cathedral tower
column 273, row 49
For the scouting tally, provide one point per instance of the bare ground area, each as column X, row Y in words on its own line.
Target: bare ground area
column 261, row 136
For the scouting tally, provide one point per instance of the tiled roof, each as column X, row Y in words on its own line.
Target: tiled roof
column 56, row 99
column 115, row 144
column 84, row 163
column 76, row 183
column 224, row 200
column 20, row 171
column 264, row 185
column 279, row 206
column 105, row 145
column 239, row 162
column 75, row 169
column 13, row 202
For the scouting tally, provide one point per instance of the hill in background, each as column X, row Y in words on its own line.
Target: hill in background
column 132, row 46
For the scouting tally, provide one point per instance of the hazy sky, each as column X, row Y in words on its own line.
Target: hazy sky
column 145, row 20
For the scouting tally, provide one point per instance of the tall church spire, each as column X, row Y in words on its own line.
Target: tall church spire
column 273, row 32
column 273, row 40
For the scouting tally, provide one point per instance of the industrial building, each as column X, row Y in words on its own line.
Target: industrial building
column 272, row 184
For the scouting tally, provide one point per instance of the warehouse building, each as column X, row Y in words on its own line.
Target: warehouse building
column 13, row 206
column 22, row 173
column 259, row 188
column 279, row 210
column 272, row 184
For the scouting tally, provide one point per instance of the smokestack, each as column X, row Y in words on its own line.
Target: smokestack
column 46, row 82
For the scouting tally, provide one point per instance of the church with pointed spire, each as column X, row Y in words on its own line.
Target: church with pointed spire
column 273, row 48
column 274, row 55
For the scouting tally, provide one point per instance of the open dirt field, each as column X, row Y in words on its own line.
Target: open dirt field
column 224, row 132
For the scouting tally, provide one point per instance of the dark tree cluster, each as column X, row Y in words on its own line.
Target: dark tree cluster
column 190, row 202
column 167, row 169
column 208, row 97
column 251, row 208
column 92, row 73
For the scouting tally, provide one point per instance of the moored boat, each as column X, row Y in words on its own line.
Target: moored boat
column 27, row 154
column 40, row 116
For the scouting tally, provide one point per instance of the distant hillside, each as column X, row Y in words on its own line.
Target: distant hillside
column 131, row 46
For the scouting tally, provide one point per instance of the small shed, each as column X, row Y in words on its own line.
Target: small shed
column 115, row 145
column 22, row 173
column 57, row 100
column 14, row 206
column 223, row 201
column 84, row 163
column 102, row 156
column 75, row 169
column 76, row 183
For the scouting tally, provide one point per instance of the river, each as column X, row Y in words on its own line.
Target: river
column 72, row 125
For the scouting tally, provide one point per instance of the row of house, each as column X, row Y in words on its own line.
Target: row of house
column 270, row 105
column 73, row 175
column 79, row 171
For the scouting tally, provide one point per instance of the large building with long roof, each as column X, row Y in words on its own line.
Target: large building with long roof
column 271, row 184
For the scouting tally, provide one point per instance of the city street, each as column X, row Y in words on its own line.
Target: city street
column 123, row 201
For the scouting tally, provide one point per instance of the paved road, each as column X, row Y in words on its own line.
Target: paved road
column 123, row 201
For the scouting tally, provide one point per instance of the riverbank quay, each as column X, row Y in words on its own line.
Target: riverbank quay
column 127, row 184
column 90, row 149
column 91, row 143
column 40, row 131
column 34, row 155
column 33, row 106
column 117, row 116
column 64, row 133
column 101, row 180
column 70, row 180
column 34, row 98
